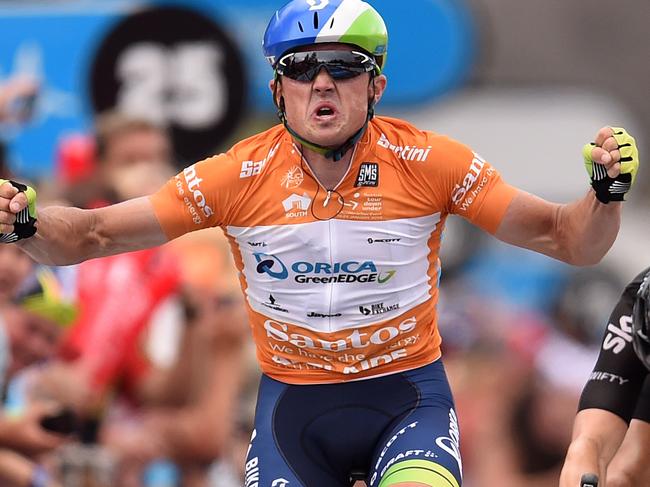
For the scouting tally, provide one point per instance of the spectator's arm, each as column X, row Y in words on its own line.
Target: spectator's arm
column 26, row 435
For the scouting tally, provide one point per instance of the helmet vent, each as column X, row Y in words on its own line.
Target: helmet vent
column 300, row 27
column 315, row 20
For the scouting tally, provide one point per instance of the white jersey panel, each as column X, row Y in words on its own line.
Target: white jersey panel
column 334, row 275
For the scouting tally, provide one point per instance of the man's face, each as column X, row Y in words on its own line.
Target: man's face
column 327, row 111
column 137, row 163
column 32, row 338
column 15, row 266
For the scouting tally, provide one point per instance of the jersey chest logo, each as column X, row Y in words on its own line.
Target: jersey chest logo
column 368, row 175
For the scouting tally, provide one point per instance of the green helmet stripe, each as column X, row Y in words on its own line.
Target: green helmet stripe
column 344, row 16
column 367, row 23
column 356, row 22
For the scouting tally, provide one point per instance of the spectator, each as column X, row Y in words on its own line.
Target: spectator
column 32, row 327
column 15, row 266
column 104, row 351
column 192, row 405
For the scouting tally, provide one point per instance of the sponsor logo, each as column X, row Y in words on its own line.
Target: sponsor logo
column 408, row 153
column 293, row 178
column 373, row 203
column 618, row 336
column 280, row 483
column 383, row 240
column 459, row 192
column 352, row 204
column 313, row 5
column 271, row 303
column 356, row 339
column 390, row 463
column 313, row 314
column 194, row 186
column 368, row 175
column 451, row 443
column 296, row 206
column 266, row 264
column 257, row 244
column 253, row 168
column 607, row 377
column 377, row 309
column 251, row 469
column 322, row 272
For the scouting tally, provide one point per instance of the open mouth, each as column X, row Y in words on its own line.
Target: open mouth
column 325, row 111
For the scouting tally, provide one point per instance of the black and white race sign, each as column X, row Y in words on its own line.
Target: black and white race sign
column 175, row 66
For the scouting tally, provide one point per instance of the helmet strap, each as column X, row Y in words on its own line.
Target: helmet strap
column 337, row 153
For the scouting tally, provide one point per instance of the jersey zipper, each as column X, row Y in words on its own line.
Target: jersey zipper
column 328, row 197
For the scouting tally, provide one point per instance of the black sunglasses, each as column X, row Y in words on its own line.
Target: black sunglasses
column 305, row 66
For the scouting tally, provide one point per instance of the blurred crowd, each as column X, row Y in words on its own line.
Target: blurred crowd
column 138, row 369
column 130, row 370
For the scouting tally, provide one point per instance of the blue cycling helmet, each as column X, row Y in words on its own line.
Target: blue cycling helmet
column 304, row 22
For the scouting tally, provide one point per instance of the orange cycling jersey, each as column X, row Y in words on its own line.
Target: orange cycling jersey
column 343, row 284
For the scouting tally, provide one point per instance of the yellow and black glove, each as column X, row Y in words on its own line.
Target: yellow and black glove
column 613, row 189
column 25, row 225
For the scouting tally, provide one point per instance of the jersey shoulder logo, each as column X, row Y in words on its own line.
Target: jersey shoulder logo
column 469, row 180
column 618, row 336
column 253, row 168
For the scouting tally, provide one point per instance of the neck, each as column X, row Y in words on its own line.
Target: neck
column 318, row 159
column 328, row 173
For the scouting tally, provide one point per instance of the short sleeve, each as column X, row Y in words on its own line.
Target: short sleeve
column 471, row 187
column 197, row 197
column 618, row 377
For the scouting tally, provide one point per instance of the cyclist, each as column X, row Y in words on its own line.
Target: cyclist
column 612, row 424
column 335, row 220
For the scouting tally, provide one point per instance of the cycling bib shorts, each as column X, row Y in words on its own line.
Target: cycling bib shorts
column 397, row 428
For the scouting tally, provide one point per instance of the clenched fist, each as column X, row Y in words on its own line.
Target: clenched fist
column 612, row 162
column 17, row 211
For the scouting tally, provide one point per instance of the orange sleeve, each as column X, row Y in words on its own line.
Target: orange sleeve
column 198, row 197
column 472, row 188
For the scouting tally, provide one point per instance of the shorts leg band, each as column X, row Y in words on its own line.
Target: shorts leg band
column 422, row 471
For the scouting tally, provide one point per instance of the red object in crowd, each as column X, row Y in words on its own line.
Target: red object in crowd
column 117, row 297
column 75, row 158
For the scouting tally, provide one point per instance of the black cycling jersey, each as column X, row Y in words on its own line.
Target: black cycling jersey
column 619, row 382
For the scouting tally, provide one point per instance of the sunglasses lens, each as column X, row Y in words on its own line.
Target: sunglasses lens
column 305, row 66
column 342, row 72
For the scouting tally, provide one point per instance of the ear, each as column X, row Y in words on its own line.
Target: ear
column 378, row 86
column 275, row 85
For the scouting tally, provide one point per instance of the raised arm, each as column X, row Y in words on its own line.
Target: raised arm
column 578, row 233
column 581, row 232
column 69, row 235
